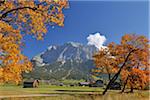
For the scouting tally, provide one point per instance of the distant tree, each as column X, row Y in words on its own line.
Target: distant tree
column 20, row 17
column 105, row 63
column 130, row 59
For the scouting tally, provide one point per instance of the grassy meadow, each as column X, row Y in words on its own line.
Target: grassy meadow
column 49, row 92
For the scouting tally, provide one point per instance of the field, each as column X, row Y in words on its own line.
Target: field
column 46, row 92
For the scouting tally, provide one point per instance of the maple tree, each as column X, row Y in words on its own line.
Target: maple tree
column 129, row 59
column 20, row 17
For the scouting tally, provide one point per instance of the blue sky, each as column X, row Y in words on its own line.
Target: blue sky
column 112, row 19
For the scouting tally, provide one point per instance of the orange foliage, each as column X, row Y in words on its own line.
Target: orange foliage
column 18, row 17
column 104, row 62
column 136, row 66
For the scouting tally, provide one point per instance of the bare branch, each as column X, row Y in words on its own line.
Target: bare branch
column 16, row 9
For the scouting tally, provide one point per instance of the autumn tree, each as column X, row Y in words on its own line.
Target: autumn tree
column 105, row 63
column 20, row 17
column 135, row 74
column 131, row 58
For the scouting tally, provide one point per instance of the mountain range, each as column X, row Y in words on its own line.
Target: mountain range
column 71, row 60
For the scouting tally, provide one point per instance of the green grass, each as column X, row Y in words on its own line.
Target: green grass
column 10, row 90
column 69, row 93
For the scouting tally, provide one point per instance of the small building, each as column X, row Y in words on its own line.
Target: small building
column 84, row 83
column 115, row 86
column 31, row 84
column 98, row 83
column 61, row 84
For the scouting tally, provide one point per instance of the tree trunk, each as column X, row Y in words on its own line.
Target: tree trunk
column 109, row 76
column 111, row 81
column 118, row 73
column 131, row 90
column 125, row 84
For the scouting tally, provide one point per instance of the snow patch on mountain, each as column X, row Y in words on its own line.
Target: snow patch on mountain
column 59, row 60
column 62, row 56
column 51, row 47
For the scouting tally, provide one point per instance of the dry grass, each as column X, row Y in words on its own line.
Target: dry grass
column 69, row 93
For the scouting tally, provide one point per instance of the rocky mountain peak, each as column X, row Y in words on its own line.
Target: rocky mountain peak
column 72, row 57
column 74, row 44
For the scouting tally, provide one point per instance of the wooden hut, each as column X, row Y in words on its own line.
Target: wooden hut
column 31, row 84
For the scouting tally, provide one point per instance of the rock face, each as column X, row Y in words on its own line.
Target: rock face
column 69, row 61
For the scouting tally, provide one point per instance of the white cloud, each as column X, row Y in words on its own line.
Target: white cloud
column 97, row 40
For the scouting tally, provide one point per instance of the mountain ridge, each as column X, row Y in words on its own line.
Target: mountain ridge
column 71, row 60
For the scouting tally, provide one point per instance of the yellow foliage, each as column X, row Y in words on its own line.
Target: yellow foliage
column 24, row 16
column 136, row 66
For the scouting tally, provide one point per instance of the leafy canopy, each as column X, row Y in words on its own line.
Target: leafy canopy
column 20, row 17
column 129, row 59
